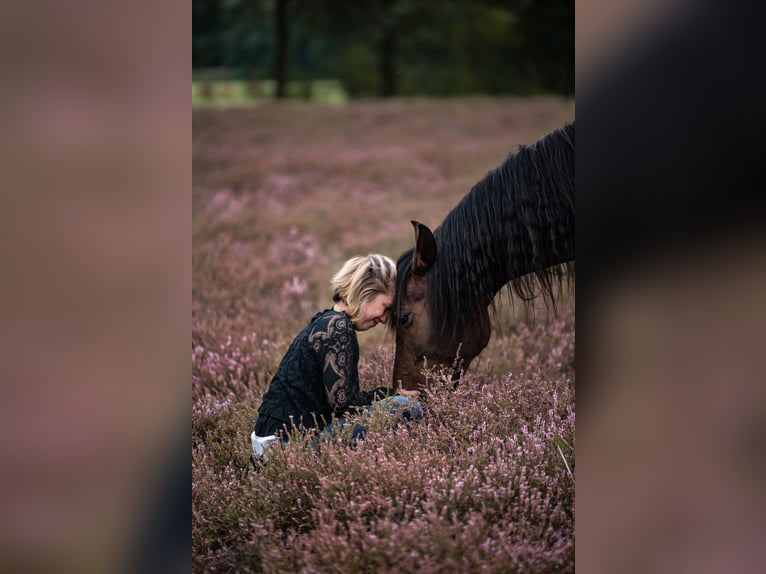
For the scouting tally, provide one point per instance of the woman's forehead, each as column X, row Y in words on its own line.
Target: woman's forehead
column 385, row 298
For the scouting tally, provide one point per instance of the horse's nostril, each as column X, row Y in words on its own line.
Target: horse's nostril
column 404, row 318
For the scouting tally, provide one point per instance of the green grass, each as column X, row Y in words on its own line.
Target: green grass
column 235, row 93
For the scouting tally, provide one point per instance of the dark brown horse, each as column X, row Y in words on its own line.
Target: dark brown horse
column 515, row 228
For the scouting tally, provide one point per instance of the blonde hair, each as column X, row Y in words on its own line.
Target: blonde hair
column 362, row 278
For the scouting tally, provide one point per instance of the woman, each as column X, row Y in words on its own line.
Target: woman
column 318, row 378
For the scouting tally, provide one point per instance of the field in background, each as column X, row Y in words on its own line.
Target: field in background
column 227, row 93
column 283, row 193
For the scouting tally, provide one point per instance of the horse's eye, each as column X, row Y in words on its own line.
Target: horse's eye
column 404, row 318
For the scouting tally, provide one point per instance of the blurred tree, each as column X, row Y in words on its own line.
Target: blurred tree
column 387, row 48
column 393, row 47
column 546, row 50
column 206, row 33
column 280, row 51
column 372, row 37
column 463, row 48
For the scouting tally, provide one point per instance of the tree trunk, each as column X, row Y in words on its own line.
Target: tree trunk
column 280, row 53
column 387, row 71
column 386, row 53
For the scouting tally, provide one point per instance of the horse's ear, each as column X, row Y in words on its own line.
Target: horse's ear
column 425, row 249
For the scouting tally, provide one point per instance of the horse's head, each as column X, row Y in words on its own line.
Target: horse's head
column 514, row 230
column 420, row 336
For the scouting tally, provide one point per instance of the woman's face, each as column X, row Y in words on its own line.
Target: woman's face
column 376, row 310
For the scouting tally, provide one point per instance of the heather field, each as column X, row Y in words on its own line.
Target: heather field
column 282, row 195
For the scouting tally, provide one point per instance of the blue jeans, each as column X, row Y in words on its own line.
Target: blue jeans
column 409, row 409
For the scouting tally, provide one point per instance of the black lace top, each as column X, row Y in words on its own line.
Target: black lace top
column 317, row 377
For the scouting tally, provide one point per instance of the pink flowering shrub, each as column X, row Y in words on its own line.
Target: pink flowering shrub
column 485, row 481
column 234, row 367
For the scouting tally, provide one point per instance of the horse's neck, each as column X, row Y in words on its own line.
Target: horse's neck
column 532, row 236
column 516, row 221
column 538, row 242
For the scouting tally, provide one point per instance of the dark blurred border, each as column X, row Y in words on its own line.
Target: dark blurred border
column 95, row 294
column 95, row 297
column 671, row 281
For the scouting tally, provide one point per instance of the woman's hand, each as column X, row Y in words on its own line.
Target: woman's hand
column 408, row 393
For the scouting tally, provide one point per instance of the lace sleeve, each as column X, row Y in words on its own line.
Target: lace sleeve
column 338, row 353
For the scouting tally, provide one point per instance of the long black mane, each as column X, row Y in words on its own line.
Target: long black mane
column 515, row 227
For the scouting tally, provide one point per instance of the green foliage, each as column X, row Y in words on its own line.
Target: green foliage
column 228, row 93
column 448, row 48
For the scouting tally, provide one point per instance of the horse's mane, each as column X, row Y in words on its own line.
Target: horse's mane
column 513, row 228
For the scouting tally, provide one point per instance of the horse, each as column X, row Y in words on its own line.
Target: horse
column 514, row 230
